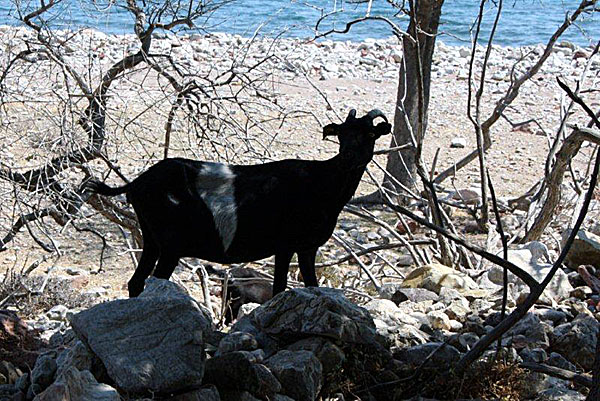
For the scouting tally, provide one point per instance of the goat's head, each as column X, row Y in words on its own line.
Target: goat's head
column 357, row 136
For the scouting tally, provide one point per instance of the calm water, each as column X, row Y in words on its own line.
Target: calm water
column 523, row 21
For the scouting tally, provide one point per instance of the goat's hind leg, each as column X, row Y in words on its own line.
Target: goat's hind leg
column 166, row 266
column 282, row 265
column 150, row 253
column 143, row 269
column 306, row 260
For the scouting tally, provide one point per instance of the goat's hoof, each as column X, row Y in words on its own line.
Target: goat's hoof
column 135, row 291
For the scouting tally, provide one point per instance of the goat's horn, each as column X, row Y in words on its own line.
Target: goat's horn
column 351, row 115
column 373, row 114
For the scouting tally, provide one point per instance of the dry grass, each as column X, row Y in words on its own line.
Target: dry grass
column 33, row 295
column 496, row 379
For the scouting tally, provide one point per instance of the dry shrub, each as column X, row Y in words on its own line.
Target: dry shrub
column 495, row 380
column 492, row 380
column 31, row 297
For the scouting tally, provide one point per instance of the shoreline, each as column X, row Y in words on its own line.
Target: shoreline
column 220, row 34
column 325, row 58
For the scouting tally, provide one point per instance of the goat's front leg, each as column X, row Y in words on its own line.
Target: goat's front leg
column 282, row 265
column 306, row 260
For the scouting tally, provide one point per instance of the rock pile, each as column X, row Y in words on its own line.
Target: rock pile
column 155, row 344
column 304, row 344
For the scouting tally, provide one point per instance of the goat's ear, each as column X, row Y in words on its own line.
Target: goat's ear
column 331, row 130
column 382, row 128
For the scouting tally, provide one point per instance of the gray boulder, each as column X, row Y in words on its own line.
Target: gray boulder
column 236, row 395
column 7, row 391
column 398, row 294
column 576, row 340
column 533, row 258
column 434, row 276
column 414, row 295
column 302, row 312
column 584, row 251
column 281, row 397
column 150, row 343
column 403, row 335
column 299, row 372
column 534, row 332
column 560, row 394
column 75, row 385
column 237, row 341
column 537, row 355
column 10, row 372
column 236, row 371
column 78, row 356
column 43, row 372
column 440, row 355
column 556, row 359
column 330, row 355
column 208, row 393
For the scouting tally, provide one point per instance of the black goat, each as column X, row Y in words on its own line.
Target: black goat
column 231, row 214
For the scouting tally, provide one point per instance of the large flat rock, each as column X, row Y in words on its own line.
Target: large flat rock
column 150, row 343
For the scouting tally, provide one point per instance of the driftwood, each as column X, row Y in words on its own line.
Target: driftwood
column 553, row 371
column 567, row 152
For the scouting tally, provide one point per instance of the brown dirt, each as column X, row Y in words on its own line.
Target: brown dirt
column 18, row 344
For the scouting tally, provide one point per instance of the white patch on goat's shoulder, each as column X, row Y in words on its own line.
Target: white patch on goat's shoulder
column 215, row 186
column 172, row 199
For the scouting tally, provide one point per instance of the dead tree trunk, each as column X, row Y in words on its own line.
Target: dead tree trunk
column 413, row 93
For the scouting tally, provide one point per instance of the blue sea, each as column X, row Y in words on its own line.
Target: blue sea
column 523, row 22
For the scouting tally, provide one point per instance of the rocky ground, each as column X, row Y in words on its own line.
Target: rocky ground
column 308, row 344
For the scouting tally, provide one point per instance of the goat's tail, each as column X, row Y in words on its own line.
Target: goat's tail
column 101, row 188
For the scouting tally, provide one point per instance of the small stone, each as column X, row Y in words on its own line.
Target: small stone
column 439, row 320
column 237, row 371
column 237, row 341
column 245, row 309
column 331, row 67
column 580, row 53
column 457, row 310
column 58, row 312
column 468, row 340
column 458, row 142
column 582, row 292
column 78, row 385
column 560, row 394
column 73, row 271
column 464, row 52
column 470, row 196
column 330, row 355
column 396, row 57
column 455, row 325
column 537, row 355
